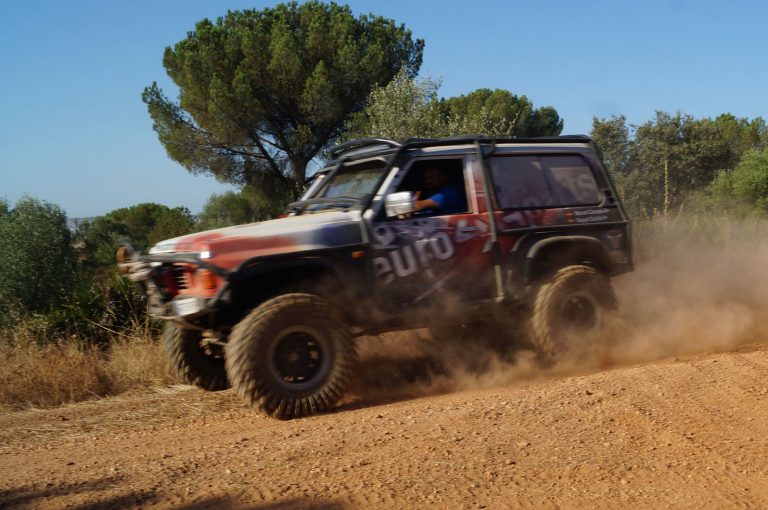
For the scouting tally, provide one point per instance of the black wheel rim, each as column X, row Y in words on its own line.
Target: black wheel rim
column 579, row 312
column 211, row 350
column 299, row 359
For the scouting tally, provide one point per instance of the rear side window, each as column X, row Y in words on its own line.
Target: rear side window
column 543, row 181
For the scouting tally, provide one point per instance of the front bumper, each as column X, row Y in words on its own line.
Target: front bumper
column 180, row 307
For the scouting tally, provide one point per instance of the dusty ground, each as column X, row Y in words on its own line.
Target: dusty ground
column 680, row 432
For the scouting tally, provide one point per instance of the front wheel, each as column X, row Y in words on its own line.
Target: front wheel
column 194, row 362
column 290, row 357
column 571, row 312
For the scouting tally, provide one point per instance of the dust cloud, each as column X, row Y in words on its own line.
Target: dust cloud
column 694, row 290
column 694, row 295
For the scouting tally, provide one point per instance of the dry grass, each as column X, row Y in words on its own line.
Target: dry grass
column 62, row 371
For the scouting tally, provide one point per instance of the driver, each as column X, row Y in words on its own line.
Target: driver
column 441, row 197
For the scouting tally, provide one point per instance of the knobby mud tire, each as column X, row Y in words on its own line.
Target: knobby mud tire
column 548, row 328
column 190, row 361
column 251, row 350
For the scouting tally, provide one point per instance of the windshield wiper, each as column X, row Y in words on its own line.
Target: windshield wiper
column 343, row 202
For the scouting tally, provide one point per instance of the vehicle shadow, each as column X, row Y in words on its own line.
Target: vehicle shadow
column 381, row 380
column 216, row 503
column 34, row 496
column 410, row 366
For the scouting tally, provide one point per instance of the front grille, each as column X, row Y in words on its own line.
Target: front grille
column 180, row 275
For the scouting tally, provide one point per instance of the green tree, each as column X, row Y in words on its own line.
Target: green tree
column 501, row 113
column 170, row 222
column 741, row 135
column 143, row 225
column 37, row 262
column 146, row 224
column 660, row 165
column 406, row 107
column 692, row 149
column 233, row 208
column 409, row 107
column 263, row 92
column 106, row 299
column 746, row 186
column 612, row 139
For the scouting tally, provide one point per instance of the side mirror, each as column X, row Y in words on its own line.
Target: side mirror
column 398, row 204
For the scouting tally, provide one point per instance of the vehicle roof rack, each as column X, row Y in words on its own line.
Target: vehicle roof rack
column 418, row 143
column 359, row 144
column 417, row 140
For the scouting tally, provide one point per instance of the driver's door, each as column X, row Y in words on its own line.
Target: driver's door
column 432, row 257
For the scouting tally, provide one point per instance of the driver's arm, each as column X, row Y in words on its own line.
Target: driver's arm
column 427, row 203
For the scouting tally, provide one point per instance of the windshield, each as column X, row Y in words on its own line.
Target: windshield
column 343, row 189
column 354, row 181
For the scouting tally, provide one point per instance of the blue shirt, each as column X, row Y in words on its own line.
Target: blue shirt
column 449, row 200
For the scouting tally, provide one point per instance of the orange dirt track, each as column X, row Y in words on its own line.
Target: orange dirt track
column 689, row 432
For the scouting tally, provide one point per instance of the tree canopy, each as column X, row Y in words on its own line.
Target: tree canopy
column 410, row 107
column 512, row 115
column 263, row 91
column 405, row 107
column 661, row 163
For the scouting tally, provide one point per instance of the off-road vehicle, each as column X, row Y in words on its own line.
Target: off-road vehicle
column 273, row 308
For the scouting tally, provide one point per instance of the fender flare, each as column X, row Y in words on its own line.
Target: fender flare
column 538, row 246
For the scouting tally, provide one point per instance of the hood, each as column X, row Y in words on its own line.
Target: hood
column 230, row 246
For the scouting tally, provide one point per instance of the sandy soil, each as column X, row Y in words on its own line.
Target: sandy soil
column 680, row 432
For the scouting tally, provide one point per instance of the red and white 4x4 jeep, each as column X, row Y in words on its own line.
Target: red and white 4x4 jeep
column 531, row 232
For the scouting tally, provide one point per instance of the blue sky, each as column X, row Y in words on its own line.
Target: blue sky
column 73, row 129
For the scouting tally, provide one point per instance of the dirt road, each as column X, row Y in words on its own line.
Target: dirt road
column 686, row 432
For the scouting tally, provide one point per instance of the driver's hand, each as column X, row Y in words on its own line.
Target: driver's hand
column 416, row 196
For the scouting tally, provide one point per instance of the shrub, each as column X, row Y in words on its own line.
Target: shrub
column 37, row 262
column 746, row 186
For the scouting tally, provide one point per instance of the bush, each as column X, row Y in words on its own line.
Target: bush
column 37, row 261
column 746, row 186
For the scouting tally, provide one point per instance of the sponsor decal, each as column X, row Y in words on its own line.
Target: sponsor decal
column 588, row 215
column 533, row 218
column 417, row 245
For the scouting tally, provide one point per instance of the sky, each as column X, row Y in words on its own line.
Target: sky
column 74, row 131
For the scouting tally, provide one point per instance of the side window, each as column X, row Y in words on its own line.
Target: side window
column 519, row 181
column 442, row 181
column 573, row 180
column 543, row 181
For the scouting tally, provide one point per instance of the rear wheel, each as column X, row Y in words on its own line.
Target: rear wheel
column 291, row 357
column 195, row 362
column 571, row 313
